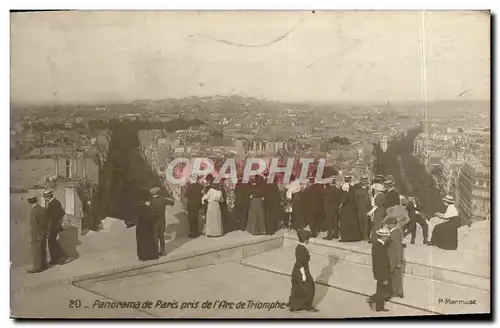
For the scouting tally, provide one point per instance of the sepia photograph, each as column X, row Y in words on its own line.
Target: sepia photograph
column 314, row 164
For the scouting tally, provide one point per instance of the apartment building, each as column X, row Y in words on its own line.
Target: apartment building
column 474, row 191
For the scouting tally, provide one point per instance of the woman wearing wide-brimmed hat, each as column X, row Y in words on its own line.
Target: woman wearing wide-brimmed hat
column 445, row 235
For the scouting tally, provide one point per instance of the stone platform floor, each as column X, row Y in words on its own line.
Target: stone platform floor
column 227, row 281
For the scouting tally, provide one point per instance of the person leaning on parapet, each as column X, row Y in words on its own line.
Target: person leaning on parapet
column 158, row 206
column 55, row 213
column 39, row 233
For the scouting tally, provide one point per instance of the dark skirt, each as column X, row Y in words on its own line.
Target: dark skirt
column 349, row 225
column 240, row 216
column 298, row 211
column 256, row 224
column 273, row 218
column 227, row 225
column 445, row 235
column 147, row 248
column 302, row 294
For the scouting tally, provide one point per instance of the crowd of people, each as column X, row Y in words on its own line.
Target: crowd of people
column 347, row 210
column 391, row 217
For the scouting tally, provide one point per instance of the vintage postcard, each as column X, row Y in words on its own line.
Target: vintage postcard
column 250, row 164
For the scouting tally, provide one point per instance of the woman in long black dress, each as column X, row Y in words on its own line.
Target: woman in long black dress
column 445, row 235
column 274, row 211
column 303, row 289
column 256, row 224
column 349, row 225
column 146, row 244
column 241, row 204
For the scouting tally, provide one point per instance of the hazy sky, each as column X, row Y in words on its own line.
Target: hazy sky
column 329, row 56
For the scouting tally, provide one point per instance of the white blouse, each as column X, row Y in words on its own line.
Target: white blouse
column 451, row 211
column 213, row 196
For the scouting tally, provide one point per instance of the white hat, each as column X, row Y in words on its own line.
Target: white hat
column 449, row 199
column 383, row 232
column 378, row 187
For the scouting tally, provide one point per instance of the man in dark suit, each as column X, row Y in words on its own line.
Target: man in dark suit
column 39, row 233
column 381, row 270
column 193, row 195
column 392, row 196
column 55, row 214
column 363, row 206
column 333, row 197
column 315, row 206
column 158, row 206
column 413, row 209
column 241, row 204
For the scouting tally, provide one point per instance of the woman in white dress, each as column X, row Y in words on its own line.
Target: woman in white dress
column 213, row 218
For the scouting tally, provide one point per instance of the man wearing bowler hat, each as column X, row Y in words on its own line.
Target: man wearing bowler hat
column 55, row 214
column 158, row 206
column 39, row 233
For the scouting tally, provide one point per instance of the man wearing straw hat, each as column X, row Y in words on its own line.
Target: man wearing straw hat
column 378, row 211
column 395, row 250
column 378, row 182
column 381, row 270
column 55, row 214
column 39, row 232
column 392, row 196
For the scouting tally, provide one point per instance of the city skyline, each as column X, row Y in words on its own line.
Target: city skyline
column 95, row 57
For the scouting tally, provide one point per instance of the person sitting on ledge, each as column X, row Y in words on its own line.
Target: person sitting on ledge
column 445, row 235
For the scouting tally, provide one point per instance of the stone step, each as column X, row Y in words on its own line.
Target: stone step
column 461, row 267
column 420, row 293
